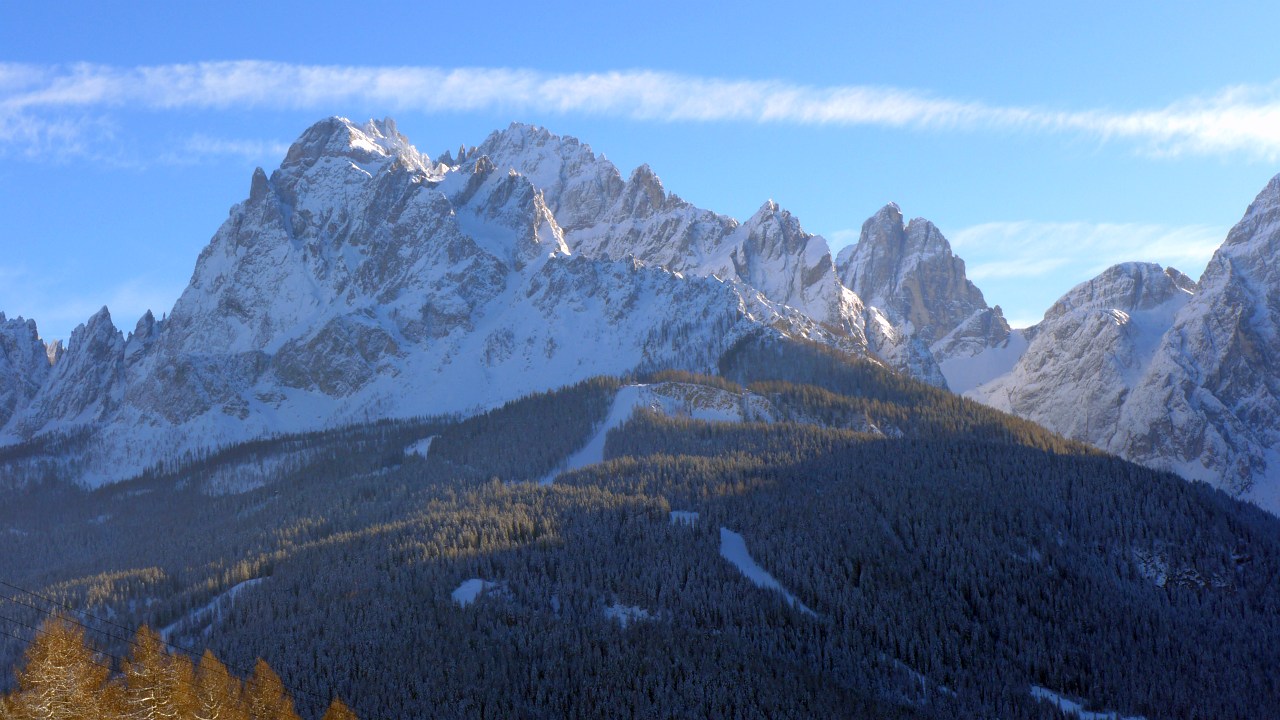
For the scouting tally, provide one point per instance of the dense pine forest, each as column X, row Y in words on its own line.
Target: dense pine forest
column 929, row 558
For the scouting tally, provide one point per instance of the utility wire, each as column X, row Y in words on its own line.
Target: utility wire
column 27, row 641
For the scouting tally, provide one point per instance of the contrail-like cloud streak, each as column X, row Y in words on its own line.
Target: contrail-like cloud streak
column 1243, row 119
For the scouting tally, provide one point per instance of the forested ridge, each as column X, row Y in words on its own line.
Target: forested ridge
column 953, row 558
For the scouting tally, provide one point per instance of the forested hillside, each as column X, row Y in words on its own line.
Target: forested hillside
column 65, row 678
column 879, row 549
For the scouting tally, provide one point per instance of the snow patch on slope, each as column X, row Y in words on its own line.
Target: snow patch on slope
column 734, row 549
column 470, row 590
column 627, row 614
column 966, row 373
column 1071, row 707
column 421, row 447
column 687, row 400
column 212, row 612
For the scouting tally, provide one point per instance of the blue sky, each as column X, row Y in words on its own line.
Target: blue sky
column 1047, row 140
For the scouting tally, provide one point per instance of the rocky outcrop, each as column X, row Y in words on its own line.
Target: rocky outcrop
column 24, row 365
column 1091, row 350
column 936, row 316
column 361, row 280
column 1208, row 407
column 85, row 385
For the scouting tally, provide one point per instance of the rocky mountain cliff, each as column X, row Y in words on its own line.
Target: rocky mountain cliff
column 934, row 320
column 1091, row 349
column 1173, row 374
column 1209, row 406
column 24, row 365
column 362, row 280
column 608, row 218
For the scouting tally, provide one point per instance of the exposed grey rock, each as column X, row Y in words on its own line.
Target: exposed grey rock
column 361, row 280
column 1091, row 349
column 85, row 385
column 908, row 273
column 24, row 365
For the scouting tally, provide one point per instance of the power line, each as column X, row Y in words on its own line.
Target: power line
column 295, row 690
column 26, row 641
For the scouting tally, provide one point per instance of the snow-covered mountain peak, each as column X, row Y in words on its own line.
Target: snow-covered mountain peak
column 146, row 326
column 372, row 143
column 770, row 212
column 1260, row 221
column 578, row 184
column 1127, row 287
column 98, row 323
column 936, row 323
column 524, row 135
column 85, row 383
column 143, row 335
column 889, row 214
column 24, row 364
column 909, row 272
column 644, row 196
column 25, row 323
column 883, row 229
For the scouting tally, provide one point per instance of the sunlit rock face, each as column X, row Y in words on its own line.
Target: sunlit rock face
column 362, row 280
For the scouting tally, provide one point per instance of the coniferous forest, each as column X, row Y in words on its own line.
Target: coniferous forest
column 928, row 558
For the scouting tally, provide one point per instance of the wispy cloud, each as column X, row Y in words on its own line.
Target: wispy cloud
column 1237, row 120
column 199, row 147
column 1000, row 250
column 59, row 308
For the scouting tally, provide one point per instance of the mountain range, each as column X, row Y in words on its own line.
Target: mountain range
column 363, row 280
column 508, row 434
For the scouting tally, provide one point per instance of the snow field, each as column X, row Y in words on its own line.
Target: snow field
column 734, row 549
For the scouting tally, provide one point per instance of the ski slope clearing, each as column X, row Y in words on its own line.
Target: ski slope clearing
column 686, row 400
column 212, row 612
column 734, row 549
column 1071, row 707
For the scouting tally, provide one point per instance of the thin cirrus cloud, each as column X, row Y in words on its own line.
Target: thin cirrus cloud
column 1005, row 250
column 1238, row 120
column 26, row 294
column 200, row 146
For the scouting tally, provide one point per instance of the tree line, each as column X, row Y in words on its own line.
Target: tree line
column 951, row 566
column 65, row 678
